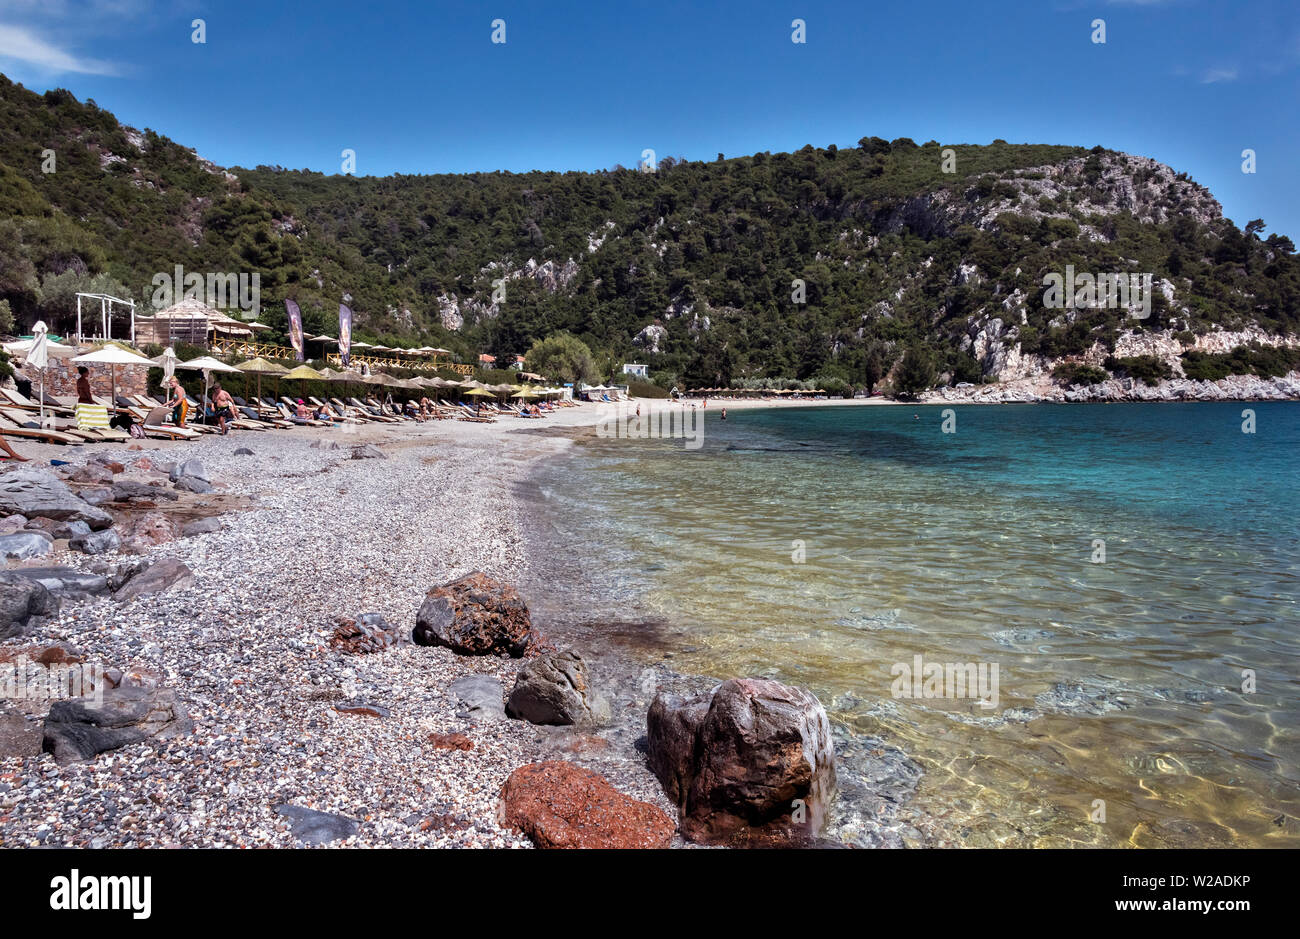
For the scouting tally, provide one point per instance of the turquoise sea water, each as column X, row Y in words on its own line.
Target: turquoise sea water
column 829, row 546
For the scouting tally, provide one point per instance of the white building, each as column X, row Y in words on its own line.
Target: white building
column 632, row 368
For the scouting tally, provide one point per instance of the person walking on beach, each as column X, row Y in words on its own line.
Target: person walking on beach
column 83, row 386
column 223, row 407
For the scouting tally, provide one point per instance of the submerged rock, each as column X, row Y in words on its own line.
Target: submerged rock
column 559, row 805
column 475, row 615
column 750, row 754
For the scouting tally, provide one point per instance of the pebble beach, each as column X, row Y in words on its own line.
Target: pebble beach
column 281, row 718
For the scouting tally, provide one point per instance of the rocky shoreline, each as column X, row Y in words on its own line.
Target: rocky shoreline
column 253, row 614
column 1044, row 390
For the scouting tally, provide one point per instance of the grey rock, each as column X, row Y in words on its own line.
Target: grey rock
column 201, row 526
column 11, row 523
column 33, row 492
column 161, row 575
column 63, row 530
column 193, row 468
column 368, row 452
column 78, row 729
column 243, row 451
column 63, row 582
column 312, row 827
column 556, row 689
column 25, row 544
column 482, row 695
column 194, row 484
column 96, row 495
column 98, row 542
column 20, row 599
column 126, row 490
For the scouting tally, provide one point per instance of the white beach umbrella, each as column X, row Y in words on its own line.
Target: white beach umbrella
column 168, row 362
column 207, row 365
column 38, row 357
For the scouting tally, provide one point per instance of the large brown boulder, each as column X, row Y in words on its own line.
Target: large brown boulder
column 475, row 615
column 750, row 758
column 559, row 805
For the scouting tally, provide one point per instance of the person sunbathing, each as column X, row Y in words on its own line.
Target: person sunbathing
column 302, row 412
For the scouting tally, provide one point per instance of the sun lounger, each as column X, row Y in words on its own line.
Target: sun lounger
column 9, row 429
column 155, row 425
column 15, row 398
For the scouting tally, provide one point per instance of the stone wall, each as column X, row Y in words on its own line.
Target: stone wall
column 61, row 379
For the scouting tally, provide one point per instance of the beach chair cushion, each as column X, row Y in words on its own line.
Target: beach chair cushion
column 92, row 416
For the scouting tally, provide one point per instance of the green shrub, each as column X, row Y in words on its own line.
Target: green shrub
column 1076, row 373
column 1148, row 369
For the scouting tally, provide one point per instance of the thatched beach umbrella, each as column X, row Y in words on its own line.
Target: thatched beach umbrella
column 260, row 366
column 304, row 373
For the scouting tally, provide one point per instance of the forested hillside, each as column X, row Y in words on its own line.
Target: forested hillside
column 690, row 268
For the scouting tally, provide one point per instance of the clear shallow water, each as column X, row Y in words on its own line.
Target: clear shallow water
column 1117, row 681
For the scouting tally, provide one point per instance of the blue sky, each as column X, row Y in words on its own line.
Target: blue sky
column 420, row 88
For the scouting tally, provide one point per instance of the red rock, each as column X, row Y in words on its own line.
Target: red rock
column 114, row 467
column 153, row 528
column 58, row 654
column 443, row 823
column 451, row 742
column 135, row 446
column 371, row 633
column 475, row 615
column 559, row 805
column 143, row 463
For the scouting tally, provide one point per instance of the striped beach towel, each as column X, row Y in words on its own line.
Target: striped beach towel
column 91, row 416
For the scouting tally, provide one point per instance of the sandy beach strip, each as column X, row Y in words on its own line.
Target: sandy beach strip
column 246, row 647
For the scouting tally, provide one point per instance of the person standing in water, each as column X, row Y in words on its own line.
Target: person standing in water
column 724, row 414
